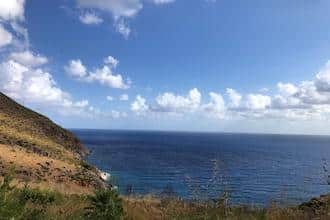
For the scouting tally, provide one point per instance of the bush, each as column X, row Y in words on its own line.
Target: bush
column 14, row 202
column 105, row 204
column 37, row 196
column 11, row 207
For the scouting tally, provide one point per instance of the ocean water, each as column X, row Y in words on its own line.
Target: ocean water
column 253, row 168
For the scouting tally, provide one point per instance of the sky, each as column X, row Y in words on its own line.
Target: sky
column 202, row 65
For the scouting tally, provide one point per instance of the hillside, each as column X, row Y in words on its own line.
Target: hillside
column 42, row 153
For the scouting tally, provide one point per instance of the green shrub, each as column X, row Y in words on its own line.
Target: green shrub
column 105, row 204
column 11, row 207
column 37, row 196
column 35, row 214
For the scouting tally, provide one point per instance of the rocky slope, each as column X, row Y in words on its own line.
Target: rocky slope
column 42, row 153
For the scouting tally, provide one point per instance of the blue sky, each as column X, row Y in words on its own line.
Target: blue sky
column 233, row 66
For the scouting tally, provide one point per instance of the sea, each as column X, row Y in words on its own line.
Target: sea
column 257, row 169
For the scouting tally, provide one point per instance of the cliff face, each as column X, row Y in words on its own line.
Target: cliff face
column 41, row 152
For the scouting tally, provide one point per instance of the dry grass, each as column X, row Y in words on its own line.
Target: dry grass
column 41, row 171
column 36, row 127
column 17, row 132
column 151, row 208
column 42, row 153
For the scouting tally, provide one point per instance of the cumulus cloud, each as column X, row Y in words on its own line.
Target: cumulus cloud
column 216, row 107
column 11, row 10
column 118, row 8
column 169, row 102
column 103, row 75
column 90, row 18
column 304, row 101
column 110, row 60
column 139, row 105
column 12, row 31
column 287, row 89
column 76, row 69
column 36, row 86
column 28, row 58
column 21, row 73
column 106, row 77
column 22, row 76
column 234, row 97
column 6, row 37
column 322, row 80
column 308, row 93
column 121, row 10
column 257, row 101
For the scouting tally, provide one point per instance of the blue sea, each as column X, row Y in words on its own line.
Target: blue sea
column 253, row 168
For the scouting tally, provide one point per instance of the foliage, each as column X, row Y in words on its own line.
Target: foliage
column 11, row 207
column 105, row 204
column 36, row 204
column 37, row 196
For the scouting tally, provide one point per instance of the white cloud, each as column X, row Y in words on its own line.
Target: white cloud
column 90, row 18
column 12, row 14
column 118, row 8
column 21, row 75
column 28, row 58
column 122, row 27
column 121, row 10
column 169, row 102
column 123, row 97
column 6, row 37
column 104, row 75
column 36, row 86
column 257, row 101
column 322, row 79
column 308, row 93
column 216, row 107
column 139, row 106
column 287, row 89
column 160, row 2
column 285, row 102
column 238, row 102
column 110, row 98
column 234, row 97
column 12, row 10
column 110, row 60
column 76, row 69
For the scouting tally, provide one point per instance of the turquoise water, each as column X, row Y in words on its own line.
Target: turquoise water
column 253, row 168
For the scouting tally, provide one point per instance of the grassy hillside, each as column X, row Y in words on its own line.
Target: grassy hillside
column 42, row 153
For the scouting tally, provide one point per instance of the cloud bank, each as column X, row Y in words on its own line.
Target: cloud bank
column 309, row 100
